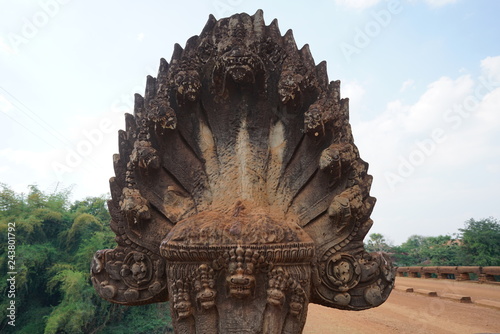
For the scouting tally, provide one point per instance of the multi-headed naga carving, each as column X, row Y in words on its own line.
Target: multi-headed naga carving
column 239, row 194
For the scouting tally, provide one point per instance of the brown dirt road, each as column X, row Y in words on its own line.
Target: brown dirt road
column 414, row 313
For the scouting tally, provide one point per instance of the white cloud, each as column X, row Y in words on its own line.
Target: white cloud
column 489, row 112
column 451, row 130
column 436, row 185
column 407, row 84
column 357, row 4
column 353, row 90
column 432, row 106
column 449, row 180
column 491, row 68
column 408, row 122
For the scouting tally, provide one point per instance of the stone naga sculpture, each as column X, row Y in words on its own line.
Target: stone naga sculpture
column 239, row 194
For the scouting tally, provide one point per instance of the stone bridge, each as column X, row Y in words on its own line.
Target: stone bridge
column 460, row 273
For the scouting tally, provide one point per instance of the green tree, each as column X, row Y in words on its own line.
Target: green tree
column 11, row 204
column 55, row 242
column 95, row 206
column 377, row 243
column 83, row 227
column 419, row 250
column 409, row 252
column 440, row 251
column 38, row 216
column 481, row 242
column 76, row 309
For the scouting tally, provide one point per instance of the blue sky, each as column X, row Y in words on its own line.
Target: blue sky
column 423, row 78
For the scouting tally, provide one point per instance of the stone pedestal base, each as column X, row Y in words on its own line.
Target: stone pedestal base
column 230, row 274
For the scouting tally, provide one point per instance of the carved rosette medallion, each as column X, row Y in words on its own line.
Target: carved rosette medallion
column 239, row 193
column 342, row 272
column 125, row 276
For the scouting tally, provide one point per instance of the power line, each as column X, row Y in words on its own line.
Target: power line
column 43, row 124
column 20, row 106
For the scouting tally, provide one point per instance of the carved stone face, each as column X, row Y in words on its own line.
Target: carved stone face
column 97, row 262
column 182, row 305
column 240, row 282
column 206, row 297
column 240, row 64
column 237, row 62
column 188, row 84
column 275, row 297
column 134, row 205
column 340, row 211
column 147, row 156
column 295, row 308
column 289, row 85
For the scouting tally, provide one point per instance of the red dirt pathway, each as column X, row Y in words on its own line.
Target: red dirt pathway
column 412, row 313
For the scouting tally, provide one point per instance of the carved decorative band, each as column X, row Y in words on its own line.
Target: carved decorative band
column 275, row 253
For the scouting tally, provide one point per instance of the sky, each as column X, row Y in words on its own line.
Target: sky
column 422, row 76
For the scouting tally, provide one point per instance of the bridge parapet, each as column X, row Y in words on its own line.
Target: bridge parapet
column 426, row 272
column 488, row 274
column 446, row 272
column 459, row 273
column 464, row 272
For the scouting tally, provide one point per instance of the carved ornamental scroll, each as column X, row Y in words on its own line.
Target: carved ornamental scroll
column 239, row 194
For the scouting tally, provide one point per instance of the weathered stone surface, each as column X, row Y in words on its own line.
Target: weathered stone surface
column 239, row 193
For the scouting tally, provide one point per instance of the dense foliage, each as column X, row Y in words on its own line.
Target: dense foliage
column 477, row 244
column 54, row 244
